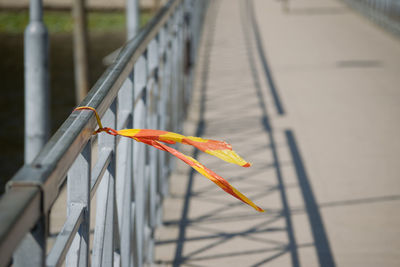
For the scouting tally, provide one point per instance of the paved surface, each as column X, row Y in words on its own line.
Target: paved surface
column 310, row 96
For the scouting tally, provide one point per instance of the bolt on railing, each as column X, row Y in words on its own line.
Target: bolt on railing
column 148, row 86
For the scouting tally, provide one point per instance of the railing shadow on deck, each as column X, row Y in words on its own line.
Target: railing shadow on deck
column 320, row 238
column 270, row 248
column 148, row 86
column 312, row 209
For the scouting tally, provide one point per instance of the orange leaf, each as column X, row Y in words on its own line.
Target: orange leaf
column 216, row 148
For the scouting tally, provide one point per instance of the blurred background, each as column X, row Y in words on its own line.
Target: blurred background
column 106, row 33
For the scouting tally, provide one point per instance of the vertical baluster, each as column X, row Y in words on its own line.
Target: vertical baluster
column 78, row 188
column 140, row 79
column 176, row 78
column 195, row 10
column 167, row 87
column 184, row 77
column 32, row 249
column 173, row 75
column 182, row 92
column 133, row 23
column 161, row 114
column 167, row 79
column 103, row 245
column 187, row 55
column 173, row 90
column 124, row 163
column 179, row 54
column 163, row 82
column 168, row 83
column 152, row 123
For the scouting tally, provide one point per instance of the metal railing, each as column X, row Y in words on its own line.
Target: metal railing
column 148, row 86
column 384, row 12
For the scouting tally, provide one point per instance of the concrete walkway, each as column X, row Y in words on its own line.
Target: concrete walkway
column 309, row 93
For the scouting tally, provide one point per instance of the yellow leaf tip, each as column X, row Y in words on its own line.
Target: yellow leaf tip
column 260, row 209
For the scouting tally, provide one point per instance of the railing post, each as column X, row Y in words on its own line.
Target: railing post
column 31, row 251
column 105, row 231
column 181, row 77
column 36, row 82
column 139, row 159
column 163, row 170
column 169, row 81
column 177, row 81
column 140, row 79
column 124, row 182
column 174, row 73
column 126, row 203
column 78, row 184
column 152, row 92
column 187, row 53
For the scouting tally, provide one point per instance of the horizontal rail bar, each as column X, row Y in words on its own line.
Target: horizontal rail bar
column 66, row 236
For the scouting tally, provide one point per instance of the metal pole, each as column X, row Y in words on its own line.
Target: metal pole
column 132, row 18
column 32, row 249
column 80, row 50
column 36, row 82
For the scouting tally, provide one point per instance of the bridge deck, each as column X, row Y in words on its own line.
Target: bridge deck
column 311, row 98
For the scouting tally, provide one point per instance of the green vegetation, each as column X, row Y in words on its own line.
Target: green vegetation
column 61, row 21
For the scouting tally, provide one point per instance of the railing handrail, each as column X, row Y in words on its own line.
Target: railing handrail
column 35, row 187
column 68, row 141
